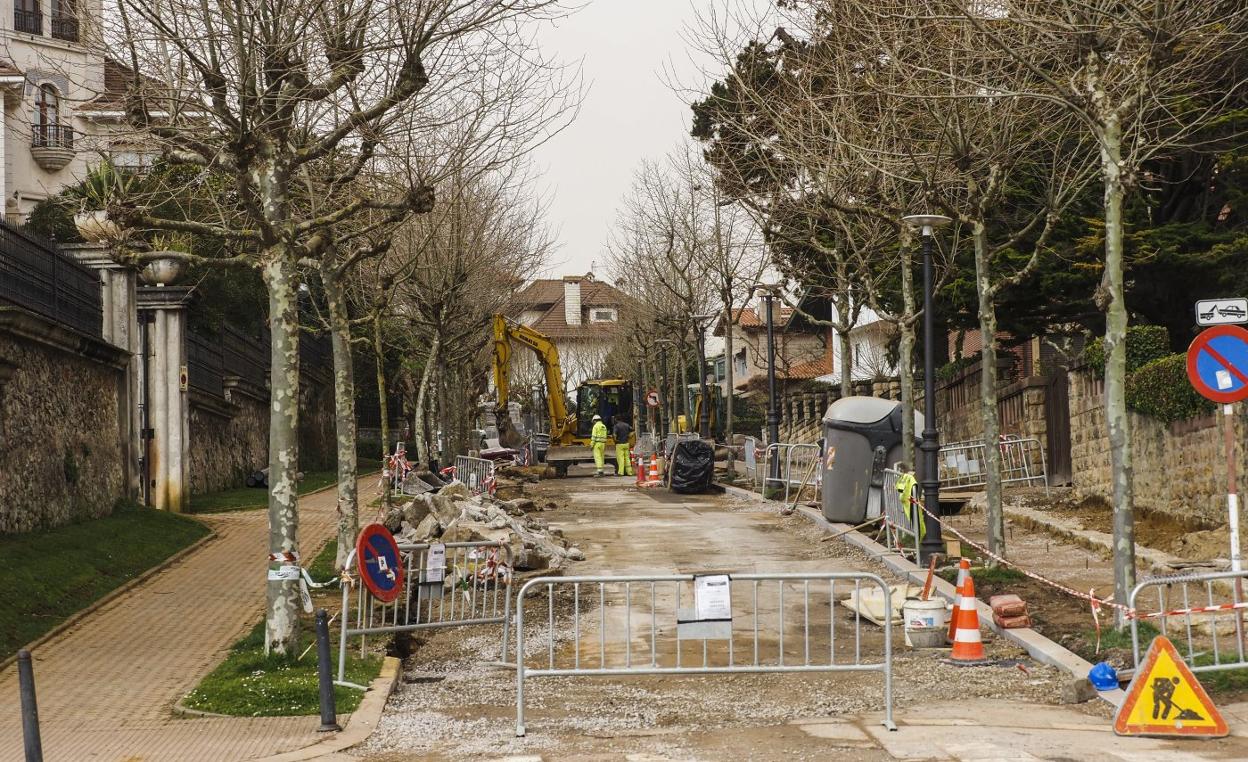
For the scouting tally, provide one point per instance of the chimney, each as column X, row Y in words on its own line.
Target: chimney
column 572, row 299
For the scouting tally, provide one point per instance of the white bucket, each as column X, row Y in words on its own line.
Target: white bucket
column 924, row 623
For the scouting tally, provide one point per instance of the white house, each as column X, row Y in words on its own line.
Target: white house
column 62, row 100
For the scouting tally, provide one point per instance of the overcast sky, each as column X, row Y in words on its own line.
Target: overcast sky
column 628, row 49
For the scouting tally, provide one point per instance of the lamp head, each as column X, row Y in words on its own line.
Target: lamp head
column 926, row 223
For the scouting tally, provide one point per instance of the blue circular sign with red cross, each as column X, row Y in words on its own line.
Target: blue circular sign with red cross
column 381, row 567
column 1217, row 363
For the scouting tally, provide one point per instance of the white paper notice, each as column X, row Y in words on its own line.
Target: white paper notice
column 435, row 563
column 712, row 597
column 1224, row 380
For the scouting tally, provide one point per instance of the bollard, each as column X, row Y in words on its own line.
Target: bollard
column 329, row 712
column 30, row 710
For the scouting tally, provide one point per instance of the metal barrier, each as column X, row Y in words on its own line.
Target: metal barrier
column 963, row 464
column 793, row 465
column 900, row 532
column 476, row 473
column 766, row 640
column 750, row 455
column 1208, row 618
column 452, row 584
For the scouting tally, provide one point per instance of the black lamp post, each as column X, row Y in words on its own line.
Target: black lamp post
column 662, row 385
column 930, row 444
column 704, row 410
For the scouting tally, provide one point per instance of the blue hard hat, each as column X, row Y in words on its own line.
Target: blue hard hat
column 1103, row 677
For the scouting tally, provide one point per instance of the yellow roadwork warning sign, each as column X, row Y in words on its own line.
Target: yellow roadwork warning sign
column 1165, row 699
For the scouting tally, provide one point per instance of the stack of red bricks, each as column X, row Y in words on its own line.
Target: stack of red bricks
column 1009, row 612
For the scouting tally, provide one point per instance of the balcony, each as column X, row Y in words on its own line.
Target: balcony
column 52, row 145
column 30, row 22
column 65, row 27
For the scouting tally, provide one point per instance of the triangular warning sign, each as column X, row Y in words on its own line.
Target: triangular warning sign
column 1165, row 699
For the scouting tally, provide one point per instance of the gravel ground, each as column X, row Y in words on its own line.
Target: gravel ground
column 453, row 703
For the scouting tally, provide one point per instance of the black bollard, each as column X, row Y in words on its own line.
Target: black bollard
column 329, row 712
column 30, row 709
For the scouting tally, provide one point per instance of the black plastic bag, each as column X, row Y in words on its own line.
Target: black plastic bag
column 692, row 467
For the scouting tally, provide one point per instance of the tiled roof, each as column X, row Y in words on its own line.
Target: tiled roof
column 118, row 80
column 748, row 319
column 807, row 370
column 547, row 294
column 7, row 69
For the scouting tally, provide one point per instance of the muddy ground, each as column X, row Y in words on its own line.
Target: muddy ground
column 453, row 703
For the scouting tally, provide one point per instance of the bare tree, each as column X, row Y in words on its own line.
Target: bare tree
column 262, row 94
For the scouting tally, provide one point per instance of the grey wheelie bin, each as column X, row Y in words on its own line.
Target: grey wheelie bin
column 862, row 437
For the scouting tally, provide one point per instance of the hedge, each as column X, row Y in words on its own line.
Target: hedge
column 1160, row 388
column 1145, row 344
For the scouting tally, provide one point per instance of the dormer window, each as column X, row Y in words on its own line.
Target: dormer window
column 65, row 20
column 603, row 315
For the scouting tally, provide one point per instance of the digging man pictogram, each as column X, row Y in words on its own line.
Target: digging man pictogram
column 1163, row 693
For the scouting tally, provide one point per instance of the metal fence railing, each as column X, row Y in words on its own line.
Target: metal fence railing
column 476, row 473
column 37, row 277
column 686, row 624
column 796, row 467
column 963, row 464
column 901, row 533
column 454, row 584
column 1202, row 614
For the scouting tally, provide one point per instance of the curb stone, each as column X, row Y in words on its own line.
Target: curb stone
column 361, row 723
column 1038, row 646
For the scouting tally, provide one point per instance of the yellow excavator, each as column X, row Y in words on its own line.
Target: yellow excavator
column 569, row 431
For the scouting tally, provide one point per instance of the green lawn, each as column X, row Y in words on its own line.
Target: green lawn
column 247, row 498
column 50, row 575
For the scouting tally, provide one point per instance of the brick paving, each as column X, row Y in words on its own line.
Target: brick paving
column 107, row 686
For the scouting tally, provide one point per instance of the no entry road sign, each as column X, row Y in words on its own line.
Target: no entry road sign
column 652, row 398
column 381, row 567
column 1217, row 363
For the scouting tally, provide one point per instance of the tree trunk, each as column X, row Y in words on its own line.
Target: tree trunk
column 729, row 378
column 988, row 392
column 1116, row 367
column 281, row 631
column 383, row 404
column 344, row 416
column 419, row 435
column 847, row 360
column 905, row 361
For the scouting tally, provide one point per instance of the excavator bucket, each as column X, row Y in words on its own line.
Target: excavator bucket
column 507, row 434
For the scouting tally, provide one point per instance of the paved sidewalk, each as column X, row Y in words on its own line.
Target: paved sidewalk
column 106, row 687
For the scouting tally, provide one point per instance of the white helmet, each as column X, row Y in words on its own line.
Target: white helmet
column 597, row 418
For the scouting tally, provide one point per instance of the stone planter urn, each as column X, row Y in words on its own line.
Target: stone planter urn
column 163, row 271
column 95, row 226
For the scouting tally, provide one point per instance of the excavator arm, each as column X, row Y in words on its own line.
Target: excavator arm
column 506, row 332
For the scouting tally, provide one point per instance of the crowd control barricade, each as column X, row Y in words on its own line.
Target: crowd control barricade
column 750, row 455
column 658, row 625
column 793, row 466
column 452, row 584
column 901, row 533
column 1202, row 614
column 963, row 464
column 476, row 473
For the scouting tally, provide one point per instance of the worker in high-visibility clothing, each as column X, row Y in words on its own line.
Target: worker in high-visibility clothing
column 906, row 484
column 598, row 440
column 623, row 463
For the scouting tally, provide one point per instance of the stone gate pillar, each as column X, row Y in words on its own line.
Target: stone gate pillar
column 163, row 396
column 121, row 329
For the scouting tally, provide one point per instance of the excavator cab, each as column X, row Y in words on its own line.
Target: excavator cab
column 610, row 399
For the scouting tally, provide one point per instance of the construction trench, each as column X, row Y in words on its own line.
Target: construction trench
column 454, row 699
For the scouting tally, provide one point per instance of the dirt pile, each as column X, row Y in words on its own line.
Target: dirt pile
column 453, row 514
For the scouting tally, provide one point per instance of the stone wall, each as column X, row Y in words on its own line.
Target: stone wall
column 1179, row 468
column 1020, row 406
column 230, row 434
column 62, row 449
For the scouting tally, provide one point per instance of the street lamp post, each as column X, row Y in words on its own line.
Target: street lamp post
column 930, row 444
column 773, row 412
column 663, row 343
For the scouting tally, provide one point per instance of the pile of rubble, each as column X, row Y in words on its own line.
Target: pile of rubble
column 453, row 514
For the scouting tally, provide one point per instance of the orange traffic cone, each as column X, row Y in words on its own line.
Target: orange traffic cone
column 654, row 468
column 968, row 647
column 964, row 571
column 641, row 471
